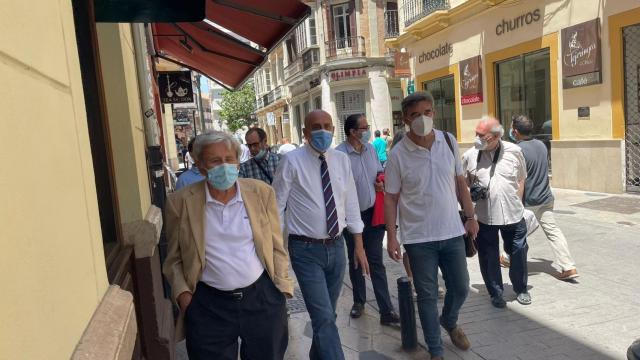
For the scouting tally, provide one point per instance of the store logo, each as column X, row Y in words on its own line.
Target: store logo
column 581, row 55
column 521, row 21
column 577, row 55
column 338, row 75
column 471, row 81
column 442, row 50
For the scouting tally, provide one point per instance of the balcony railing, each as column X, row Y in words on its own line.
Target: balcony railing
column 293, row 69
column 272, row 96
column 391, row 25
column 345, row 48
column 415, row 10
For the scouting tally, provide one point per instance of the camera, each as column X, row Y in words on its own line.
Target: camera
column 478, row 192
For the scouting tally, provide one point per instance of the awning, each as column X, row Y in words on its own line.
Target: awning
column 218, row 54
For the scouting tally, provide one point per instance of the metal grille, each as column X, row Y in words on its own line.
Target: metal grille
column 631, row 36
column 347, row 103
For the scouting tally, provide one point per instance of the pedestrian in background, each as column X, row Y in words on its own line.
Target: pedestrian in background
column 226, row 264
column 381, row 148
column 388, row 139
column 263, row 163
column 285, row 147
column 537, row 193
column 495, row 171
column 366, row 167
column 193, row 174
column 315, row 185
column 421, row 179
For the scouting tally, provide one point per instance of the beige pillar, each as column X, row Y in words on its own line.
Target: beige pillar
column 169, row 138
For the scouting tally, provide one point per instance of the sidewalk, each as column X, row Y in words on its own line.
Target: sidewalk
column 596, row 317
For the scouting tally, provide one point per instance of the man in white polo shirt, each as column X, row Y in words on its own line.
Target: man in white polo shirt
column 421, row 177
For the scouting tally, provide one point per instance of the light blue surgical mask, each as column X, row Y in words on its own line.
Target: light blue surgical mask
column 321, row 140
column 222, row 177
column 512, row 135
column 365, row 136
column 260, row 155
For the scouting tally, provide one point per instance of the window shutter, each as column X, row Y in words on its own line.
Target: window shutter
column 330, row 40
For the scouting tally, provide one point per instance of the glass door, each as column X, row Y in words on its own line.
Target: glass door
column 443, row 93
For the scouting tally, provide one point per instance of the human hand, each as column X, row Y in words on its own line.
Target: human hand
column 393, row 248
column 184, row 300
column 361, row 260
column 379, row 186
column 471, row 227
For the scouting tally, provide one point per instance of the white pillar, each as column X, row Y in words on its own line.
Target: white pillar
column 380, row 97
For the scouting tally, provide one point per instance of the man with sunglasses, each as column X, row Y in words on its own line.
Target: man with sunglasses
column 263, row 163
column 495, row 171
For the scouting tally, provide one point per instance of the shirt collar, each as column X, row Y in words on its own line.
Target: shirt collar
column 194, row 169
column 411, row 146
column 351, row 149
column 210, row 199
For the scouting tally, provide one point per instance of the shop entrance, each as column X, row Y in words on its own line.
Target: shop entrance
column 347, row 103
column 631, row 38
column 524, row 88
column 443, row 92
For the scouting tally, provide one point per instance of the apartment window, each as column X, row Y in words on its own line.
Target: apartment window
column 267, row 79
column 317, row 103
column 292, row 49
column 341, row 24
column 301, row 36
column 312, row 31
column 280, row 68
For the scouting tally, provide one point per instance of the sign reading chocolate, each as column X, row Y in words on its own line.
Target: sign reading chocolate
column 471, row 81
column 581, row 54
column 347, row 74
column 442, row 50
column 520, row 21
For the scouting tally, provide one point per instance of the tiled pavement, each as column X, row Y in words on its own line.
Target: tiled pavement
column 596, row 317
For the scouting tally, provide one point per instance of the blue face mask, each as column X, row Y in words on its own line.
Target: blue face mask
column 365, row 137
column 512, row 136
column 222, row 177
column 321, row 140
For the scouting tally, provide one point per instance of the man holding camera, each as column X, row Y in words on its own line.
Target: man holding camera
column 495, row 171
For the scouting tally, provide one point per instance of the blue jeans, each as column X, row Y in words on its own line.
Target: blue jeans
column 515, row 244
column 320, row 270
column 425, row 258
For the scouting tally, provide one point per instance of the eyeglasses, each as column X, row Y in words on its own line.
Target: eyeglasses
column 365, row 128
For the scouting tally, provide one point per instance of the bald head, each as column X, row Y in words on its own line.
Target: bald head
column 489, row 125
column 315, row 116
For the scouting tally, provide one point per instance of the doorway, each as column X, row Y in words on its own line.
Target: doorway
column 631, row 40
column 443, row 92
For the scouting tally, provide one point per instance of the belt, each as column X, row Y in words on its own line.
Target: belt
column 328, row 241
column 236, row 294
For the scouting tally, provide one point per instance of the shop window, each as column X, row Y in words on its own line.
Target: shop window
column 347, row 103
column 524, row 87
column 443, row 92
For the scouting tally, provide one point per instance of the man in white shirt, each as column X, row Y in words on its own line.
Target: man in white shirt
column 422, row 174
column 226, row 262
column 286, row 147
column 315, row 185
column 495, row 171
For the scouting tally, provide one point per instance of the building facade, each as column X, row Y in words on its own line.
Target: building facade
column 335, row 61
column 572, row 66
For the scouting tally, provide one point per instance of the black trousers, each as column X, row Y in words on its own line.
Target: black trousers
column 515, row 244
column 372, row 240
column 214, row 321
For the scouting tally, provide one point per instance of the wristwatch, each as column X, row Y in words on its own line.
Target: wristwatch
column 467, row 218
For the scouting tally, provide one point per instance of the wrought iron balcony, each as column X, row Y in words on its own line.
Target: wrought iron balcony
column 293, row 69
column 391, row 25
column 415, row 10
column 349, row 47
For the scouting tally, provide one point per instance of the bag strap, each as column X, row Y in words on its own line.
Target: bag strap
column 453, row 153
column 264, row 171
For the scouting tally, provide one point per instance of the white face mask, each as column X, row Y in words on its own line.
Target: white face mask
column 480, row 143
column 422, row 125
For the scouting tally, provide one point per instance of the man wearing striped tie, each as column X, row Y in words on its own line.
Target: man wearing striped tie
column 315, row 185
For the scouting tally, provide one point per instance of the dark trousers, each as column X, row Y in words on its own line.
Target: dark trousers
column 372, row 239
column 515, row 244
column 214, row 322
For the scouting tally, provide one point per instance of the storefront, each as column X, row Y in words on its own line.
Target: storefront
column 549, row 61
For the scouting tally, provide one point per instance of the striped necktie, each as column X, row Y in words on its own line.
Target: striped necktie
column 329, row 202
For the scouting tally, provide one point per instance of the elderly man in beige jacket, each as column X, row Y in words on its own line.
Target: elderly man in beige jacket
column 227, row 264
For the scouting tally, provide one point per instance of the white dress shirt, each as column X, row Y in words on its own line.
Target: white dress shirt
column 428, row 206
column 503, row 206
column 298, row 187
column 230, row 253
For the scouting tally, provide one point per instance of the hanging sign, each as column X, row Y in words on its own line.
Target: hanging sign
column 471, row 81
column 401, row 64
column 271, row 119
column 175, row 87
column 581, row 55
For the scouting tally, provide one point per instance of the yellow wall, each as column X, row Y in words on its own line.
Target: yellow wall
column 125, row 120
column 52, row 267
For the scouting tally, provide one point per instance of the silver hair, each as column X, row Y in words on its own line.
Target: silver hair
column 497, row 130
column 213, row 137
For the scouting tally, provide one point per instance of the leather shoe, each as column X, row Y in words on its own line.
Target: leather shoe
column 459, row 339
column 390, row 319
column 568, row 274
column 356, row 310
column 498, row 302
